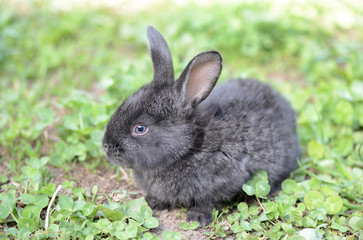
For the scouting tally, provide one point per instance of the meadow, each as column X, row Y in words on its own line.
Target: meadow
column 64, row 72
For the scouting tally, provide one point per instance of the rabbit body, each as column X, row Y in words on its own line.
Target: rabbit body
column 192, row 146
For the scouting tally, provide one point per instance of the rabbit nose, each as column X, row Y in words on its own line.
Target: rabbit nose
column 105, row 147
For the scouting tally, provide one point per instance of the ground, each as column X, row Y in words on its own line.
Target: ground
column 122, row 190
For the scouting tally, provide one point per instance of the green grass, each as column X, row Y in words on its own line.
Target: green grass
column 62, row 74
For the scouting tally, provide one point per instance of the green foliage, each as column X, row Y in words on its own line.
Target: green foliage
column 75, row 217
column 169, row 235
column 258, row 185
column 191, row 226
column 318, row 208
column 63, row 73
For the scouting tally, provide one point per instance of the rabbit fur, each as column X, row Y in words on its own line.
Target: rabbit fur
column 194, row 145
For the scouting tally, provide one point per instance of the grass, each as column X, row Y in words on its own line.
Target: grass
column 62, row 74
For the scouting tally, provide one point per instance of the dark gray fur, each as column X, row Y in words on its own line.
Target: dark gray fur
column 200, row 151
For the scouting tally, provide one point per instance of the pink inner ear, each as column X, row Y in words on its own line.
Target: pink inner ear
column 201, row 78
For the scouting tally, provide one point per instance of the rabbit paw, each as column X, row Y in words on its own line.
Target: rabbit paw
column 156, row 204
column 203, row 215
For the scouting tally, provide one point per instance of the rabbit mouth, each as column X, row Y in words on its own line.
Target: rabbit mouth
column 118, row 159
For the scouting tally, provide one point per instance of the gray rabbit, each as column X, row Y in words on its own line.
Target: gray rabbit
column 194, row 145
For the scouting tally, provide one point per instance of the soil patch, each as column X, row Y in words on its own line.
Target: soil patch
column 170, row 220
column 3, row 168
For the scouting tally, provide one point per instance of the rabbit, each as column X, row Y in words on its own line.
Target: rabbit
column 194, row 145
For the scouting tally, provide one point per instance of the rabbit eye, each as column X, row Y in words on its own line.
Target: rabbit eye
column 139, row 130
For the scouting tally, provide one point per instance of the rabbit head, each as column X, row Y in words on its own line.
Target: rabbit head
column 154, row 126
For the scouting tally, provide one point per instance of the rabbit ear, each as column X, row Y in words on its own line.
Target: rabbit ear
column 199, row 77
column 160, row 56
